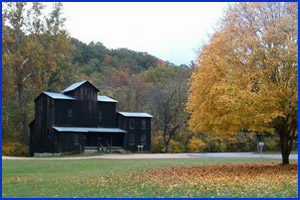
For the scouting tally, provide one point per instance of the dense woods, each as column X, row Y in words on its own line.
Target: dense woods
column 38, row 55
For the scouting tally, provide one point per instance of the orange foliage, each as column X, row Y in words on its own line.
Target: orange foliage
column 220, row 177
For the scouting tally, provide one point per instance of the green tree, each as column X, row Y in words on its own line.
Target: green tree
column 33, row 48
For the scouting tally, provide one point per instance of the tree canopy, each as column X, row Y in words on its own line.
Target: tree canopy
column 247, row 77
column 33, row 49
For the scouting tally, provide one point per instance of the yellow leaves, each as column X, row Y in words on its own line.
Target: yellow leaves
column 248, row 75
column 196, row 145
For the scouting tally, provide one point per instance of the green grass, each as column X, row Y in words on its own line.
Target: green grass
column 105, row 178
column 275, row 152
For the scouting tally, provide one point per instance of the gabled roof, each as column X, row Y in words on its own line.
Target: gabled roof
column 106, row 99
column 135, row 114
column 58, row 96
column 88, row 129
column 76, row 85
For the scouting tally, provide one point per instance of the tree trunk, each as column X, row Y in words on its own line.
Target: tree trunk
column 285, row 158
column 287, row 130
column 23, row 113
column 167, row 143
column 167, row 148
column 187, row 142
column 165, row 138
column 285, row 148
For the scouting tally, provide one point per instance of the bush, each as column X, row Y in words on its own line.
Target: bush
column 157, row 144
column 14, row 149
column 196, row 145
column 176, row 147
column 212, row 146
column 271, row 144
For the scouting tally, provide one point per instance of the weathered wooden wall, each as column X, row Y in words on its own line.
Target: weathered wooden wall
column 107, row 114
column 136, row 136
column 43, row 138
column 85, row 92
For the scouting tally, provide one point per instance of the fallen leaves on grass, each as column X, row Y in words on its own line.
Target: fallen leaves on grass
column 240, row 176
column 235, row 180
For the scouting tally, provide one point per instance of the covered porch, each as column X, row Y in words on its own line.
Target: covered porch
column 89, row 139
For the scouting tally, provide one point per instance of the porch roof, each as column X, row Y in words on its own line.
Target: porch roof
column 135, row 114
column 88, row 129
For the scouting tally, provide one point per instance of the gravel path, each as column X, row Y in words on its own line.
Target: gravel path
column 158, row 156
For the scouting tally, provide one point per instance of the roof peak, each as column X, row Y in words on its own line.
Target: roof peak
column 76, row 85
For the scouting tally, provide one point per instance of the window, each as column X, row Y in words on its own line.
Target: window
column 100, row 117
column 143, row 139
column 131, row 139
column 70, row 113
column 75, row 138
column 131, row 124
column 143, row 124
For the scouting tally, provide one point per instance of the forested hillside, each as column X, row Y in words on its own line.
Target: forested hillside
column 93, row 56
column 38, row 55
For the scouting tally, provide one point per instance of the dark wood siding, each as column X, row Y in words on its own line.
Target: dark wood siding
column 106, row 114
column 85, row 113
column 86, row 92
column 85, row 107
column 76, row 113
column 43, row 138
column 62, row 115
column 70, row 142
column 138, row 134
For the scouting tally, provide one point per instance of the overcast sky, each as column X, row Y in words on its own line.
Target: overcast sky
column 170, row 31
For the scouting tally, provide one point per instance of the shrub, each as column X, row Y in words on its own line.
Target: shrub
column 14, row 149
column 211, row 146
column 176, row 147
column 196, row 145
column 271, row 144
column 157, row 143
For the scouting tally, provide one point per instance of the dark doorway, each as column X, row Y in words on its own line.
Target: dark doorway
column 105, row 139
column 91, row 140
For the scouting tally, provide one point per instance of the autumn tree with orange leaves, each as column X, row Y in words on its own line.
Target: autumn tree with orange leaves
column 247, row 77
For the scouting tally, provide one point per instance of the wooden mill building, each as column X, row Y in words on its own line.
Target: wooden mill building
column 79, row 118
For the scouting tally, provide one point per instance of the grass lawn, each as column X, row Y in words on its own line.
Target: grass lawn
column 213, row 177
column 275, row 152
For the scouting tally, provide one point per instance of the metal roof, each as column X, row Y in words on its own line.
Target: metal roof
column 58, row 96
column 74, row 86
column 135, row 114
column 106, row 99
column 88, row 129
